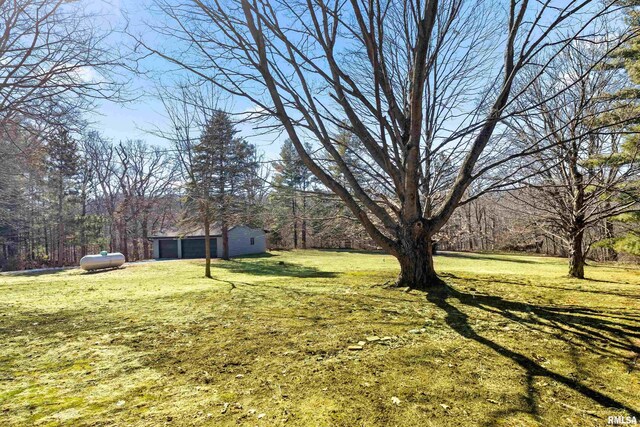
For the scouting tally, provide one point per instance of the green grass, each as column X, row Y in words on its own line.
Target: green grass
column 515, row 344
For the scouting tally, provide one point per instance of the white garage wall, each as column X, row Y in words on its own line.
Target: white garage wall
column 240, row 241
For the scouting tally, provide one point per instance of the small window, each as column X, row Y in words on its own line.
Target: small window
column 253, row 241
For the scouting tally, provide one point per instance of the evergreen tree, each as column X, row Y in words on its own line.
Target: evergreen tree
column 223, row 173
column 292, row 182
column 627, row 58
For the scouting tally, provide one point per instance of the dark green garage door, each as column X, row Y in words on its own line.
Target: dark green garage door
column 194, row 248
column 168, row 248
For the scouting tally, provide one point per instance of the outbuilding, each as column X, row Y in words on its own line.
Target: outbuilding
column 243, row 240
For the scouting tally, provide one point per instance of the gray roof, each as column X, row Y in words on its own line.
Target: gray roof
column 215, row 230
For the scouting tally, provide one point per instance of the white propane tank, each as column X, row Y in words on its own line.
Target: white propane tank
column 104, row 260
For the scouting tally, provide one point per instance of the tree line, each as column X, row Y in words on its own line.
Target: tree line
column 70, row 194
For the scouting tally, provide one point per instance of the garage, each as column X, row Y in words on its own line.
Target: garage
column 168, row 248
column 189, row 243
column 194, row 248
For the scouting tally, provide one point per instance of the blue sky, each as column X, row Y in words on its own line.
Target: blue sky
column 137, row 119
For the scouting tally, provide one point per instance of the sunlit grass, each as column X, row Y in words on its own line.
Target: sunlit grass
column 516, row 344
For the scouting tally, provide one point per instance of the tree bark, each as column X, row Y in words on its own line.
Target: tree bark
column 610, row 253
column 416, row 263
column 136, row 246
column 576, row 256
column 61, row 257
column 225, row 241
column 145, row 236
column 295, row 221
column 46, row 241
column 83, row 225
column 207, row 247
column 304, row 233
column 60, row 260
column 304, row 222
column 124, row 242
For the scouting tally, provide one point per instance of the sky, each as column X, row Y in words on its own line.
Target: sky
column 136, row 119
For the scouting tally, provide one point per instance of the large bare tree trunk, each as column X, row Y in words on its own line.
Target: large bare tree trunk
column 416, row 263
column 576, row 256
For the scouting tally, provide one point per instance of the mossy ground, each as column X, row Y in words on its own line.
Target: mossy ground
column 515, row 344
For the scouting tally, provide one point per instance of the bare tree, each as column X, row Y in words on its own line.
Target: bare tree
column 581, row 175
column 422, row 85
column 103, row 159
column 54, row 58
column 145, row 174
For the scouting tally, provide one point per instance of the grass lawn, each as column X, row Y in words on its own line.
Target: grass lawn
column 515, row 344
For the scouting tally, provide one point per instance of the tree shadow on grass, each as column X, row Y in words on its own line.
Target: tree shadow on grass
column 479, row 256
column 265, row 255
column 528, row 284
column 271, row 268
column 38, row 272
column 588, row 279
column 591, row 328
column 102, row 270
column 354, row 251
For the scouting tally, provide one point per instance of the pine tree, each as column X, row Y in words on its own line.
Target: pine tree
column 223, row 165
column 293, row 181
column 627, row 58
